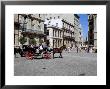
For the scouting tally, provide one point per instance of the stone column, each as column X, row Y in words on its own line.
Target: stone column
column 51, row 42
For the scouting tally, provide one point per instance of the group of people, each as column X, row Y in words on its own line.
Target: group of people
column 35, row 48
column 44, row 47
column 81, row 49
column 41, row 47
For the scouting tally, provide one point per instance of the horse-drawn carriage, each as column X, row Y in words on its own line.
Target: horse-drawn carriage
column 32, row 53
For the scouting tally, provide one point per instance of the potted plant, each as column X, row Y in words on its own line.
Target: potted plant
column 22, row 40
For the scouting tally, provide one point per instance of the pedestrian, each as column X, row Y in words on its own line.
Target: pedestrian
column 88, row 49
column 68, row 49
column 80, row 49
column 91, row 50
column 77, row 48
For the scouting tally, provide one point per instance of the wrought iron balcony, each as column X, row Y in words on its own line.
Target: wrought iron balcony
column 34, row 31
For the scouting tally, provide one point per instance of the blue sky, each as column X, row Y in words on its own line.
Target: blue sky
column 84, row 23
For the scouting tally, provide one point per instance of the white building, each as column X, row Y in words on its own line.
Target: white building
column 63, row 29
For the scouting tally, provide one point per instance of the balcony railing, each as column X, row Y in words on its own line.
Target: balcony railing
column 34, row 31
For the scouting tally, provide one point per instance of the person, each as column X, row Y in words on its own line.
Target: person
column 16, row 51
column 91, row 49
column 40, row 48
column 68, row 49
column 77, row 48
column 80, row 49
column 88, row 49
column 49, row 48
column 31, row 46
column 44, row 46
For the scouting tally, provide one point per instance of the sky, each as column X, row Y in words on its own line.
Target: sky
column 84, row 23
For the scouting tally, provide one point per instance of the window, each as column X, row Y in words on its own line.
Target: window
column 53, row 33
column 63, row 24
column 69, row 27
column 58, row 43
column 58, row 33
column 39, row 15
column 50, row 17
column 39, row 22
column 56, row 24
column 73, row 33
column 47, row 32
column 49, row 22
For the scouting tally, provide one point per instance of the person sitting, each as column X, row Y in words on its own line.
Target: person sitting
column 49, row 49
column 45, row 47
column 40, row 48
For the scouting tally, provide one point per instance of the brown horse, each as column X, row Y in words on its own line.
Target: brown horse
column 59, row 50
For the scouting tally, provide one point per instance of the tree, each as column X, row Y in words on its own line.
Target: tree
column 40, row 41
column 22, row 40
column 32, row 41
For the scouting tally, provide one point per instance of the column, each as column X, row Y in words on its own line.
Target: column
column 51, row 42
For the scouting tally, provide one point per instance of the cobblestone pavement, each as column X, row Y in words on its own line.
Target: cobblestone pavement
column 72, row 64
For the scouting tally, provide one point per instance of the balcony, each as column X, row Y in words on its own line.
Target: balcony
column 69, row 38
column 54, row 27
column 34, row 31
column 16, row 25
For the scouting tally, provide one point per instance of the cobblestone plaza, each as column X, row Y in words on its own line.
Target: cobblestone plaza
column 72, row 64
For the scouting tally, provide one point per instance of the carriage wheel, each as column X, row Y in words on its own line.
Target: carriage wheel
column 47, row 56
column 29, row 55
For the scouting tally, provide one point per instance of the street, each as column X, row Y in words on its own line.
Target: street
column 72, row 64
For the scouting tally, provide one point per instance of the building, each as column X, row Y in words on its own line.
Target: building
column 92, row 33
column 59, row 30
column 55, row 29
column 63, row 29
column 29, row 25
column 78, row 31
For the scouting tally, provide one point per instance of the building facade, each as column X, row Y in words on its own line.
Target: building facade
column 78, row 31
column 55, row 29
column 28, row 25
column 62, row 30
column 92, row 33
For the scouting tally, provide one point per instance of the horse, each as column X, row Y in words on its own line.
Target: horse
column 59, row 50
column 17, row 51
column 22, row 51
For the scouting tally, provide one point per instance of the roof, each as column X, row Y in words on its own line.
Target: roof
column 77, row 15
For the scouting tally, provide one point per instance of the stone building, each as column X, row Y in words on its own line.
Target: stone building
column 59, row 30
column 92, row 33
column 55, row 29
column 63, row 29
column 78, row 31
column 28, row 24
